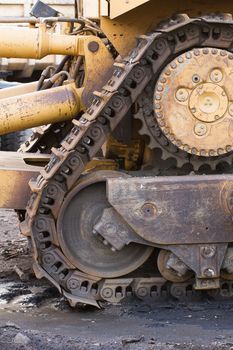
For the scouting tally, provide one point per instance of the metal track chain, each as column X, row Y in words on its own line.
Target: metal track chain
column 45, row 137
column 130, row 78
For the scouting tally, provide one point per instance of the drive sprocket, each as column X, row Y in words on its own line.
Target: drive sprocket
column 187, row 109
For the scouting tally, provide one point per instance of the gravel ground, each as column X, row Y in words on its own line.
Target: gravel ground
column 34, row 316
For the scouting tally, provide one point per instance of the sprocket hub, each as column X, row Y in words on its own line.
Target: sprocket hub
column 193, row 102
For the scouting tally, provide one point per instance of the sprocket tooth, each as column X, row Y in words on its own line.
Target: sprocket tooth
column 196, row 166
column 142, row 131
column 212, row 165
column 228, row 161
column 180, row 162
column 165, row 155
column 138, row 115
column 152, row 145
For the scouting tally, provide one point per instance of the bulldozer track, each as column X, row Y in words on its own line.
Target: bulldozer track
column 130, row 77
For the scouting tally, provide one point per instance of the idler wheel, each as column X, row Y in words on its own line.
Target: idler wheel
column 81, row 210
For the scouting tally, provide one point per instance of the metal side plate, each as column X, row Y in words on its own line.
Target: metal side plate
column 176, row 210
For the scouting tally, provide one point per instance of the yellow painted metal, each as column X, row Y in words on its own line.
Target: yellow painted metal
column 39, row 108
column 23, row 42
column 95, row 74
column 98, row 67
column 119, row 7
column 40, row 43
column 123, row 30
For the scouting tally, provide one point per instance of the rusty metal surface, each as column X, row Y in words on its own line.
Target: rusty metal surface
column 174, row 210
column 205, row 261
column 193, row 102
column 78, row 239
column 68, row 163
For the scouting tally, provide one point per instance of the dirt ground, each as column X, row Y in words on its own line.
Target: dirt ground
column 34, row 316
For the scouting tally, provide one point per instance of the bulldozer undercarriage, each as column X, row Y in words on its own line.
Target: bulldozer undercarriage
column 103, row 231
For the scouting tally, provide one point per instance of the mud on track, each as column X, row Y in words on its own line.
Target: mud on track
column 34, row 316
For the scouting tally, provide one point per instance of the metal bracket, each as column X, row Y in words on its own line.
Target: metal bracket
column 115, row 230
column 205, row 260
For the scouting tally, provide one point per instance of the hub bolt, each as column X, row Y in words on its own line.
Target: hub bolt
column 216, row 75
column 182, row 95
column 110, row 228
column 208, row 251
column 200, row 129
column 208, row 272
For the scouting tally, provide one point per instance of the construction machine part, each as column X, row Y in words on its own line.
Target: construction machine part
column 118, row 8
column 193, row 102
column 131, row 77
column 200, row 207
column 12, row 142
column 227, row 265
column 172, row 268
column 38, row 108
column 19, row 89
column 42, row 42
column 78, row 239
column 124, row 30
column 95, row 244
column 89, row 133
column 189, row 144
column 39, row 44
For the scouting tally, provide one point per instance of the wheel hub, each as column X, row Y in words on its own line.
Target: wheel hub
column 208, row 102
column 194, row 102
column 80, row 211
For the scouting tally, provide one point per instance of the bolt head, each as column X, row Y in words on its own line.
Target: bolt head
column 182, row 95
column 216, row 75
column 200, row 129
column 208, row 251
column 209, row 272
column 93, row 46
column 148, row 210
column 110, row 228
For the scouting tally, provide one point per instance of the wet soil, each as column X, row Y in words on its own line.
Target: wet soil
column 34, row 316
